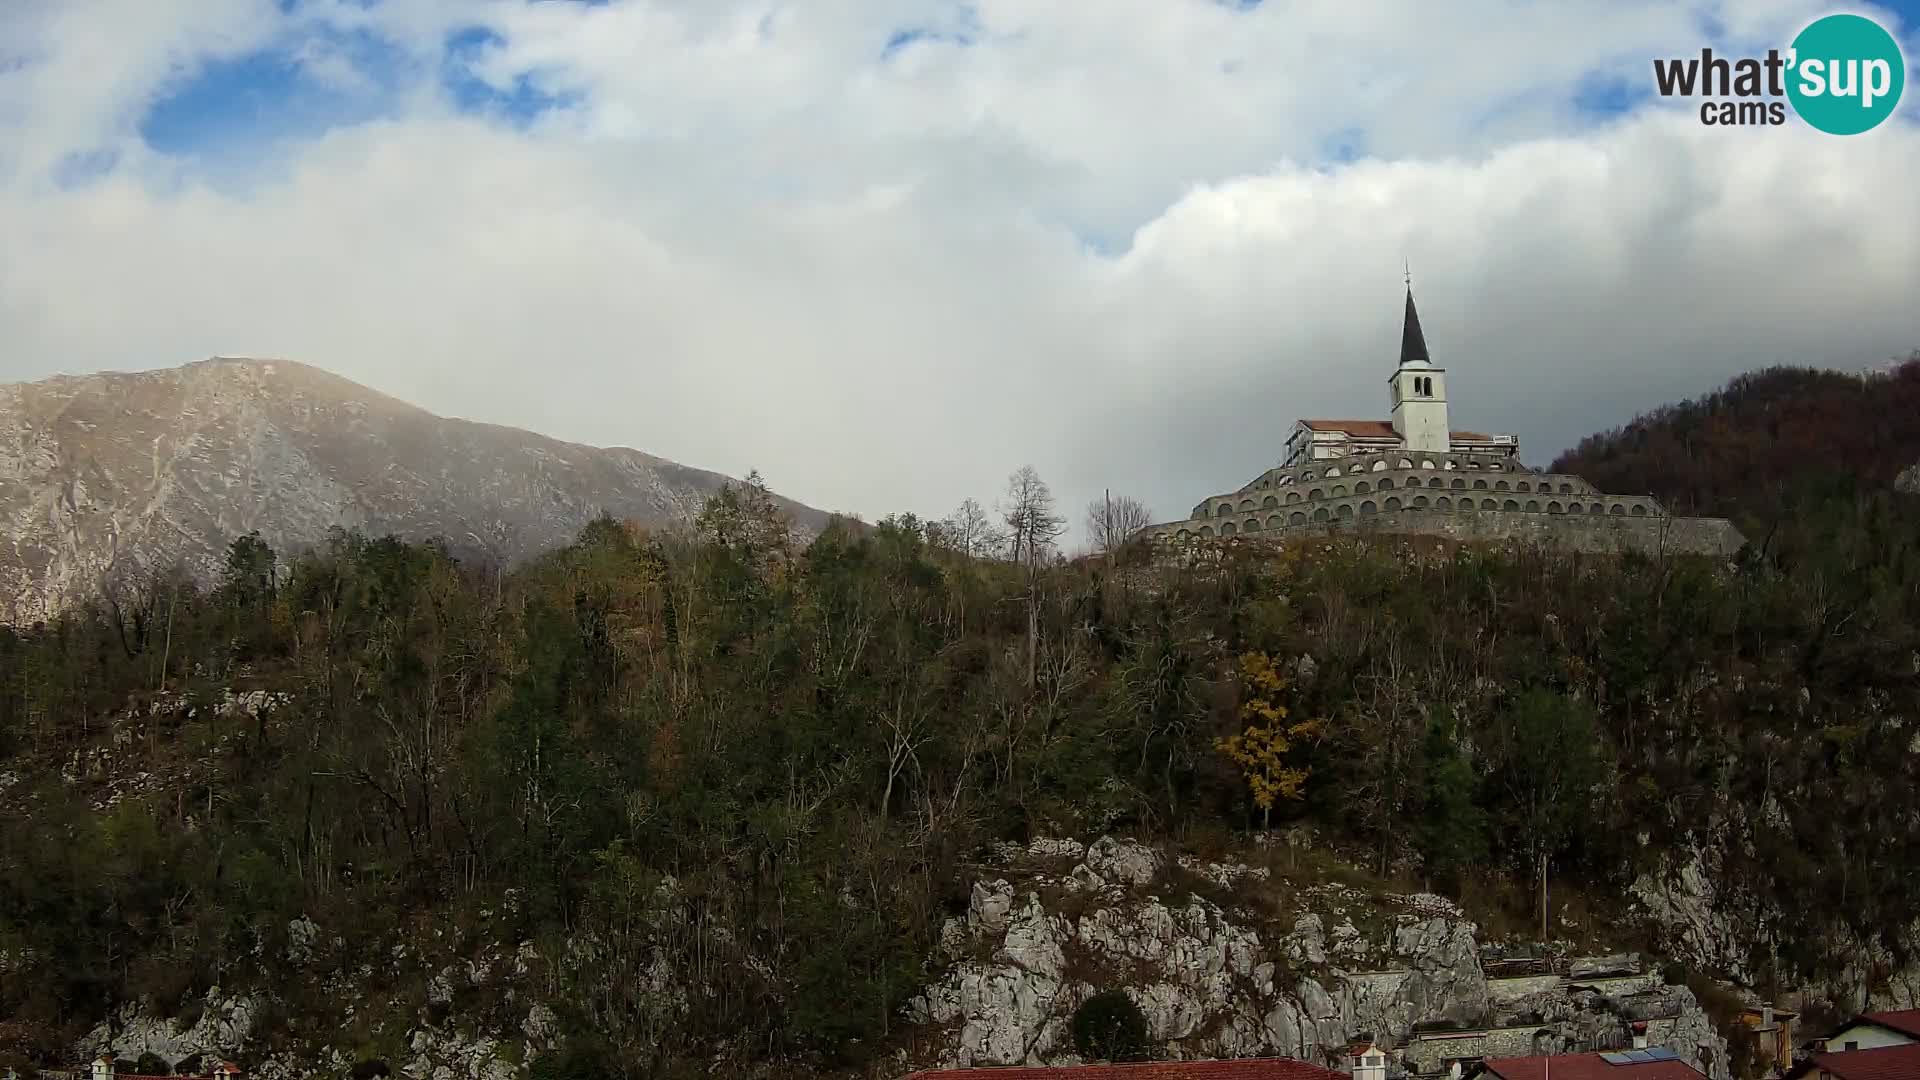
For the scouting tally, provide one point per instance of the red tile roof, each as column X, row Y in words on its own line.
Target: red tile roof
column 1905, row 1021
column 1883, row 1063
column 1240, row 1069
column 1587, row 1067
column 1382, row 429
column 1373, row 429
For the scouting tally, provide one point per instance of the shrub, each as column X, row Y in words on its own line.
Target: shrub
column 584, row 1062
column 152, row 1064
column 1109, row 1027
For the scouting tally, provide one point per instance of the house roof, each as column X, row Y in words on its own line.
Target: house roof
column 1382, row 429
column 1881, row 1063
column 1238, row 1069
column 1904, row 1021
column 1586, row 1067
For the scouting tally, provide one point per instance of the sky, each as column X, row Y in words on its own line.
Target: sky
column 887, row 252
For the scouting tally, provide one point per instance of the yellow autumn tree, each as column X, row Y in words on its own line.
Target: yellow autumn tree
column 1261, row 747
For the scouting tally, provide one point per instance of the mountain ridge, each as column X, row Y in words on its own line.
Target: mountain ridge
column 118, row 474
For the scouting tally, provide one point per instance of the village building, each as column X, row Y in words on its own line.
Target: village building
column 105, row 1068
column 1772, row 1032
column 1655, row 1064
column 1414, row 473
column 1881, row 1063
column 1871, row 1046
column 1871, row 1031
column 1233, row 1069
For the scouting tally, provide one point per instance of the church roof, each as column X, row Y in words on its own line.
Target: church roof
column 1413, row 343
column 1382, row 429
column 1367, row 429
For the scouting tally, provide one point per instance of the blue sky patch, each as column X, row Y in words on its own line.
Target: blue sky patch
column 297, row 89
column 904, row 39
column 1345, row 146
column 1609, row 94
column 520, row 102
column 963, row 31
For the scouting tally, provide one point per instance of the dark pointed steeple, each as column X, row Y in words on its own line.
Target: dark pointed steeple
column 1413, row 344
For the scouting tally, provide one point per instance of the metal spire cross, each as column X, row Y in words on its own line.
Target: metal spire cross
column 1409, row 275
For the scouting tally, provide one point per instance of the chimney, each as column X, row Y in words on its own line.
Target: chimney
column 102, row 1068
column 1640, row 1035
column 1369, row 1062
column 226, row 1070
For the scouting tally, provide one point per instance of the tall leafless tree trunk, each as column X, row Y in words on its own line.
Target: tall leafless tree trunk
column 1115, row 519
column 1033, row 526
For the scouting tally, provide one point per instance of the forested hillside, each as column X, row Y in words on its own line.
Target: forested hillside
column 1778, row 450
column 751, row 772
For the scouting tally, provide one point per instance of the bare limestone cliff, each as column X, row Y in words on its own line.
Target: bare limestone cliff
column 1256, row 970
column 118, row 475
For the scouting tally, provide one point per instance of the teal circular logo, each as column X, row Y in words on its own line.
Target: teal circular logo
column 1845, row 74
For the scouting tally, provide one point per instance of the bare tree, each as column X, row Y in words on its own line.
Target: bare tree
column 1032, row 528
column 1032, row 522
column 970, row 531
column 1115, row 519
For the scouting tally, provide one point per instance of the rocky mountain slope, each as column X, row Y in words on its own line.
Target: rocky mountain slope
column 114, row 476
column 1223, row 958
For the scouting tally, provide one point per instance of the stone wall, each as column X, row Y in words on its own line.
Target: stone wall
column 1457, row 495
column 1501, row 991
column 1623, row 985
column 1597, row 534
column 1430, row 1054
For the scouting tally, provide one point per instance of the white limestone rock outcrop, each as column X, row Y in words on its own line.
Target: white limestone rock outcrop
column 1689, row 907
column 224, row 1028
column 1712, row 926
column 1041, row 938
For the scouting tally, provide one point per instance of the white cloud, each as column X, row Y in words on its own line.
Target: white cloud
column 756, row 242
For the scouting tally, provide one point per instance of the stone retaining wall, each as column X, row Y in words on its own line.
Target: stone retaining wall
column 1501, row 991
column 1596, row 534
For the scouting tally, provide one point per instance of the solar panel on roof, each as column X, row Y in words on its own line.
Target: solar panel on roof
column 1615, row 1059
column 1661, row 1053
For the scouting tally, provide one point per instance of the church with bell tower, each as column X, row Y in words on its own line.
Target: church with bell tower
column 1418, row 419
column 1419, row 391
column 1414, row 473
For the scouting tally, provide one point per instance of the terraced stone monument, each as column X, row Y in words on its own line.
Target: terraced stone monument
column 1414, row 474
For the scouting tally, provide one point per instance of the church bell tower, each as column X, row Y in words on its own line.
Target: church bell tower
column 1419, row 391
